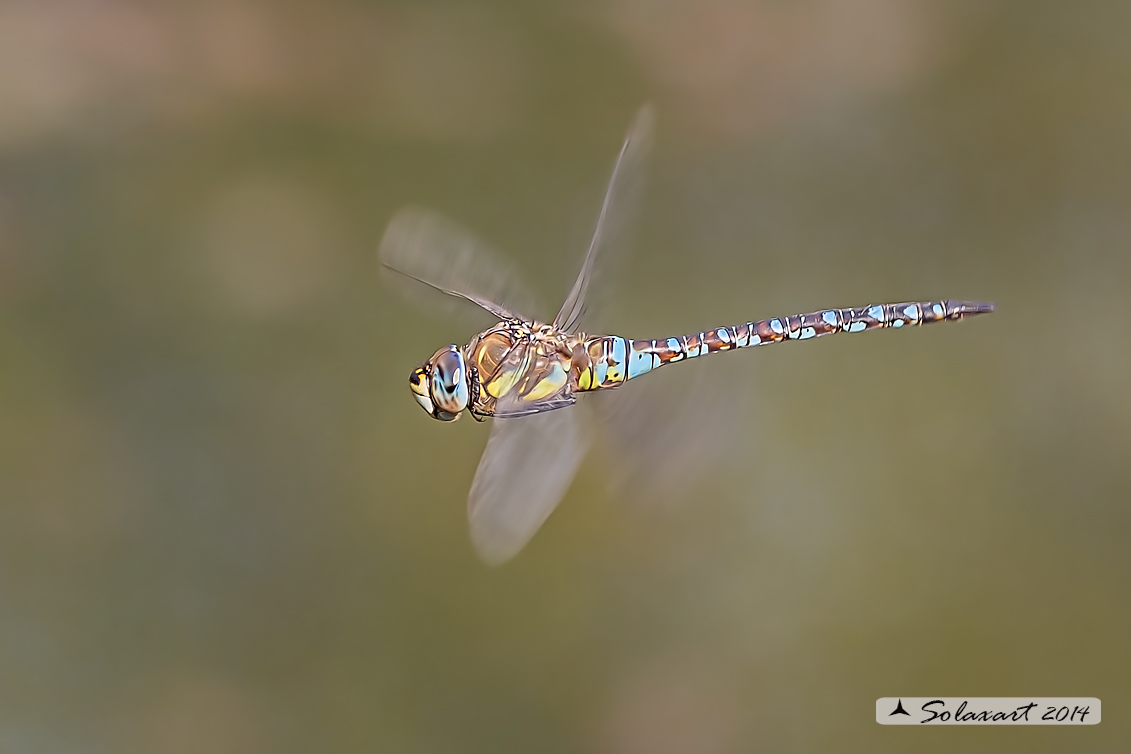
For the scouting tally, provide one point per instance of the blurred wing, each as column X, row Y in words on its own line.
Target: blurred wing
column 535, row 407
column 426, row 249
column 616, row 211
column 674, row 431
column 522, row 361
column 525, row 471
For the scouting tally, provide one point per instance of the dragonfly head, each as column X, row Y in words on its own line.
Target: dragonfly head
column 442, row 385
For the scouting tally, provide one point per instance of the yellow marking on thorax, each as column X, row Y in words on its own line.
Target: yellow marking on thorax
column 548, row 384
column 502, row 384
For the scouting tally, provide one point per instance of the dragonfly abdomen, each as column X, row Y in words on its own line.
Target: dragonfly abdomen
column 614, row 360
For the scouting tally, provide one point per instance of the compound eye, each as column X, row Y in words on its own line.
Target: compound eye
column 449, row 388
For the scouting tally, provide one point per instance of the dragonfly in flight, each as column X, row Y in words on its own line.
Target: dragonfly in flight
column 525, row 373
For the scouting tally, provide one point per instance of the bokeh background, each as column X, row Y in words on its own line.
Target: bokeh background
column 226, row 527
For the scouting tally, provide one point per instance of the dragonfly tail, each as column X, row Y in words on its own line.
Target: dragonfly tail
column 614, row 360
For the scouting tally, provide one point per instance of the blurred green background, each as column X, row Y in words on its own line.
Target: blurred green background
column 226, row 527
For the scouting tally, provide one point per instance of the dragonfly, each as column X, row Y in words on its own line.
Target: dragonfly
column 527, row 374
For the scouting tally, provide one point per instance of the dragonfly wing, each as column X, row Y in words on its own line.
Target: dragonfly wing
column 672, row 432
column 423, row 248
column 538, row 407
column 525, row 471
column 616, row 212
column 531, row 382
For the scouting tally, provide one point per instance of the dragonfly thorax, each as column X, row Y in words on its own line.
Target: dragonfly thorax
column 442, row 385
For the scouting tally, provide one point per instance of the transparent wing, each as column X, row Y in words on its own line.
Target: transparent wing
column 672, row 431
column 534, row 449
column 525, row 471
column 523, row 361
column 535, row 407
column 425, row 249
column 614, row 219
